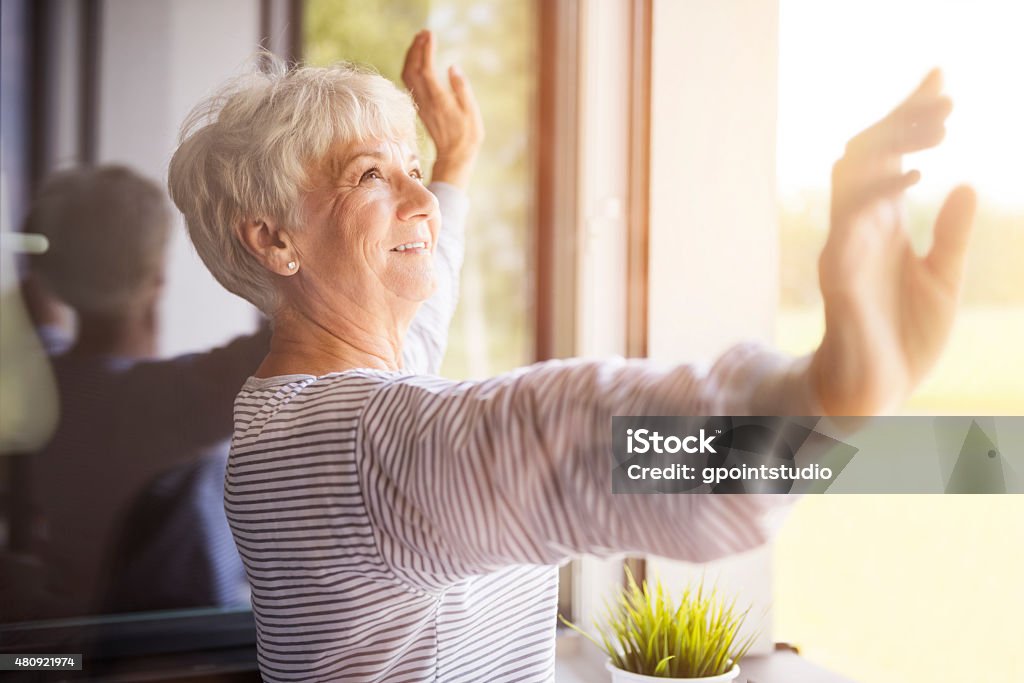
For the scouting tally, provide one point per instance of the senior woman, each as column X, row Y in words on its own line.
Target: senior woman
column 400, row 526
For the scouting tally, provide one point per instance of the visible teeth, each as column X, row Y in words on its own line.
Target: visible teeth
column 411, row 245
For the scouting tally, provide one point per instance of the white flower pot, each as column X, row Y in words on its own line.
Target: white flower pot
column 620, row 676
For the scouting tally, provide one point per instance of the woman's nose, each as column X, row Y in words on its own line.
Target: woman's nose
column 417, row 202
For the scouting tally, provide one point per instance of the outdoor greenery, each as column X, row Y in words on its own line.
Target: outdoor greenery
column 644, row 633
column 994, row 276
column 494, row 43
column 980, row 371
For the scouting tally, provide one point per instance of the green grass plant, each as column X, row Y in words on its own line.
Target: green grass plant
column 643, row 633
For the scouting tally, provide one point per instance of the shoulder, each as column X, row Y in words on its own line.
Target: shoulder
column 298, row 402
column 425, row 400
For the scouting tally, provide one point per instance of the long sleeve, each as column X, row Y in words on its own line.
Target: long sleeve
column 427, row 338
column 469, row 477
column 190, row 397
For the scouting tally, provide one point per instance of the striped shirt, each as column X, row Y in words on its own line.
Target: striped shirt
column 398, row 526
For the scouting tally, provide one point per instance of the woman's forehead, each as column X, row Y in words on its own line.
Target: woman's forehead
column 344, row 154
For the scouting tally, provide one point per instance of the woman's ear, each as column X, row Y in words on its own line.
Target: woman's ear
column 270, row 244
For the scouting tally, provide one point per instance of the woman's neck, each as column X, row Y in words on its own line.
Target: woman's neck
column 300, row 345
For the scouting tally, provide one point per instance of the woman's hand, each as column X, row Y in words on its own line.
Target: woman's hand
column 888, row 312
column 452, row 117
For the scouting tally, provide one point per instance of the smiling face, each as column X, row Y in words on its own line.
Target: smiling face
column 370, row 231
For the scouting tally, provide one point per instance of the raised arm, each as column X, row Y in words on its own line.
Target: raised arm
column 888, row 311
column 470, row 477
column 427, row 337
column 452, row 118
column 194, row 393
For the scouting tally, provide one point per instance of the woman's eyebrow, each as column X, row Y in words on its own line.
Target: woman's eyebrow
column 340, row 165
column 336, row 167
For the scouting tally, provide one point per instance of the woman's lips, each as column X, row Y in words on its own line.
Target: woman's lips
column 419, row 247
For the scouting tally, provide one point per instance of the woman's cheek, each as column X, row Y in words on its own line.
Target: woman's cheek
column 435, row 229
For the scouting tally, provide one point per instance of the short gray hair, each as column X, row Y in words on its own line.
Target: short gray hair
column 108, row 228
column 246, row 154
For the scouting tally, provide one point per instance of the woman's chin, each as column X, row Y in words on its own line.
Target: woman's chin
column 417, row 292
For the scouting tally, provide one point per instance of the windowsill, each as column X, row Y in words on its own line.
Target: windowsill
column 579, row 662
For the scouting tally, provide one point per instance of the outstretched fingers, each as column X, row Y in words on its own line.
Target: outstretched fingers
column 449, row 111
column 917, row 123
column 418, row 70
column 464, row 93
column 947, row 257
column 429, row 47
column 853, row 191
column 930, row 86
column 911, row 127
column 413, row 57
column 921, row 126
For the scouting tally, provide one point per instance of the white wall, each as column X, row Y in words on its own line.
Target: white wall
column 603, row 178
column 714, row 234
column 158, row 59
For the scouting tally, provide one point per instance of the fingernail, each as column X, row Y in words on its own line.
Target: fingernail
column 456, row 70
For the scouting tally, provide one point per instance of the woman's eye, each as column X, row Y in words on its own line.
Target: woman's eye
column 372, row 174
column 417, row 174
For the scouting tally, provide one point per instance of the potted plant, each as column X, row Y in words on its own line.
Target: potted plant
column 648, row 639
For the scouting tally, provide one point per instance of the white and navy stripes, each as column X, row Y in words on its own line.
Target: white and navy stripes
column 404, row 527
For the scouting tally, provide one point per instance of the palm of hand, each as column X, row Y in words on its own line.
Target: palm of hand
column 888, row 311
column 450, row 115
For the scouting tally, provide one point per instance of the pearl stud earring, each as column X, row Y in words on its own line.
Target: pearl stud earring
column 291, row 265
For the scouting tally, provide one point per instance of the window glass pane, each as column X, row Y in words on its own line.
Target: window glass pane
column 493, row 41
column 908, row 588
column 831, row 86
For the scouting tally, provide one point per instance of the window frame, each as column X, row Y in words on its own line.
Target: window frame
column 724, row 149
column 595, row 118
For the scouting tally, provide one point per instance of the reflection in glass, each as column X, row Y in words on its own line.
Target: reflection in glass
column 125, row 509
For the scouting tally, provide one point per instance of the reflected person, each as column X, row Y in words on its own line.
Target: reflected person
column 129, row 425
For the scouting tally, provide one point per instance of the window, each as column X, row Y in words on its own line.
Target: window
column 494, row 42
column 713, row 234
column 831, row 87
column 872, row 587
column 902, row 588
column 94, row 100
column 501, row 315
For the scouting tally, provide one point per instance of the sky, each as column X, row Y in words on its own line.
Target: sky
column 844, row 65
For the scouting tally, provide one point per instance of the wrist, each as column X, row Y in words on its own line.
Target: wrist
column 814, row 379
column 854, row 375
column 455, row 171
column 790, row 388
